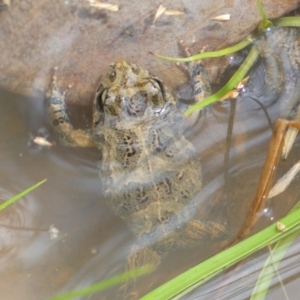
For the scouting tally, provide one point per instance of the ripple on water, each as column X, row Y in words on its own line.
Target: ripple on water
column 16, row 225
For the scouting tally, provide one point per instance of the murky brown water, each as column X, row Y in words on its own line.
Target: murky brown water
column 92, row 243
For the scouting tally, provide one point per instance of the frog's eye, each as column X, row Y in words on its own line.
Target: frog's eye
column 99, row 101
column 100, row 98
column 112, row 76
column 160, row 86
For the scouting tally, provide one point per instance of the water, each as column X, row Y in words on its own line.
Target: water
column 93, row 244
column 69, row 201
column 238, row 283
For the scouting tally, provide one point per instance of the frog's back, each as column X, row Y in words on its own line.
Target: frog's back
column 151, row 175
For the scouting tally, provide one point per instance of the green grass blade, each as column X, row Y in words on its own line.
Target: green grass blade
column 105, row 284
column 222, row 261
column 262, row 11
column 265, row 23
column 244, row 43
column 271, row 265
column 17, row 197
column 288, row 21
column 231, row 84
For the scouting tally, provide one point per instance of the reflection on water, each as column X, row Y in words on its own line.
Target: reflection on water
column 239, row 284
column 70, row 201
column 92, row 243
column 16, row 223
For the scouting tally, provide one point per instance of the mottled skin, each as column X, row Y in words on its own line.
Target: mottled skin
column 151, row 174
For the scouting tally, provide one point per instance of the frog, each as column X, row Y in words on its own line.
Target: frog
column 150, row 172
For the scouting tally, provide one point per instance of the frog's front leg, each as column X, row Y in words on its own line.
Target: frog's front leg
column 199, row 76
column 61, row 122
column 200, row 84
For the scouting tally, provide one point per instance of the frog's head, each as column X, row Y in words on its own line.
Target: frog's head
column 129, row 94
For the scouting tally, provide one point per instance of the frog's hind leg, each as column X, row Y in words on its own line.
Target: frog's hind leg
column 140, row 256
column 61, row 122
column 195, row 233
column 198, row 232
